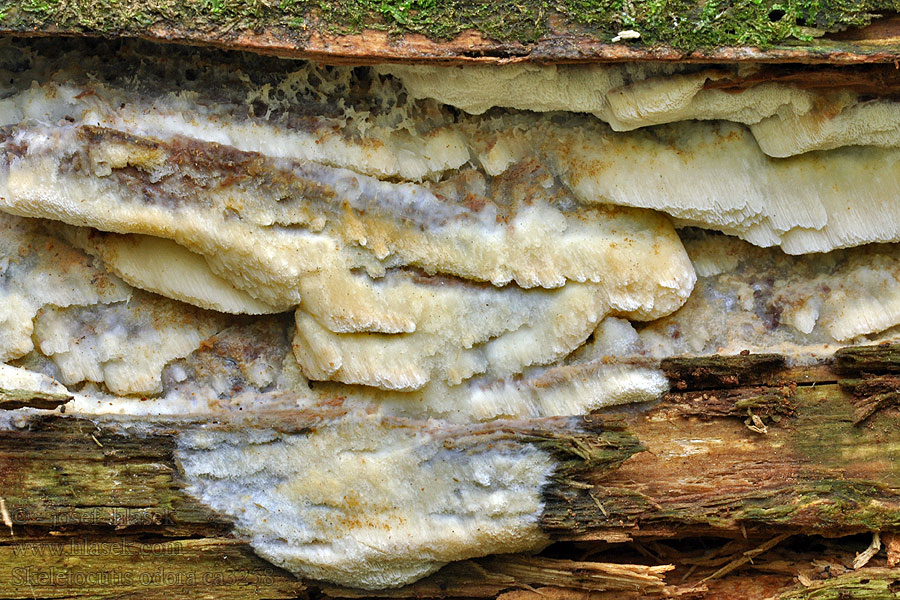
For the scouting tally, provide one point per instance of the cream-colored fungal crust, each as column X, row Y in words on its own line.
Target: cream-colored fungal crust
column 366, row 131
column 264, row 223
column 566, row 389
column 335, row 115
column 132, row 344
column 461, row 330
column 713, row 175
column 249, row 367
column 124, row 345
column 762, row 300
column 359, row 119
column 246, row 367
column 365, row 121
column 785, row 120
column 747, row 299
column 368, row 502
column 576, row 88
column 627, row 96
column 162, row 266
column 60, row 303
column 215, row 237
column 16, row 382
column 836, row 124
column 297, row 233
column 36, row 270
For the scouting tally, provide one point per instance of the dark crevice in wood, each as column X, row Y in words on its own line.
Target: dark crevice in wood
column 715, row 372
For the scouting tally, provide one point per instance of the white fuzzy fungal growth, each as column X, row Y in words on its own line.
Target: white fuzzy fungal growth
column 37, row 269
column 371, row 503
column 627, row 96
column 765, row 301
column 124, row 345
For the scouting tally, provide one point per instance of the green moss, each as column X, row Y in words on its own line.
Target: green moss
column 520, row 20
column 830, row 502
column 690, row 24
column 601, row 447
column 865, row 584
column 683, row 24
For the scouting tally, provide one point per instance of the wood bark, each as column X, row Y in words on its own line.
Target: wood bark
column 336, row 42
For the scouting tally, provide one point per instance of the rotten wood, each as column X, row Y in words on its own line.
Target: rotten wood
column 98, row 515
column 883, row 358
column 563, row 42
column 472, row 47
column 869, row 80
column 873, row 394
column 90, row 504
column 491, row 576
column 13, row 399
column 94, row 512
column 720, row 371
column 784, row 457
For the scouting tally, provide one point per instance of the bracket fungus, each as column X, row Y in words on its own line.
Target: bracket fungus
column 373, row 302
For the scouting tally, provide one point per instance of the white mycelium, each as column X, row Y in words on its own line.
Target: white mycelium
column 368, row 502
column 201, row 239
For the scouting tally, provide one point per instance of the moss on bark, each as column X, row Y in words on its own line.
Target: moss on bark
column 681, row 24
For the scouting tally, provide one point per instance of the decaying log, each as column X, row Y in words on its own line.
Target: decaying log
column 96, row 515
column 789, row 457
column 465, row 32
column 750, row 479
column 697, row 495
column 492, row 576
